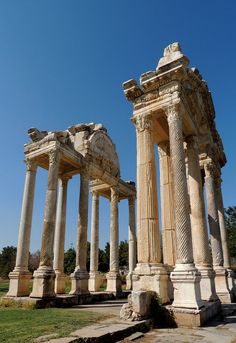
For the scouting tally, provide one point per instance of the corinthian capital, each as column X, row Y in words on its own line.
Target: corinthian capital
column 209, row 169
column 31, row 165
column 143, row 122
column 174, row 113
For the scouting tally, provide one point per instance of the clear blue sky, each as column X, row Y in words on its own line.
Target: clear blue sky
column 63, row 62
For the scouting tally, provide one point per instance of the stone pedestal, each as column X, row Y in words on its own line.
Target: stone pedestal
column 207, row 284
column 113, row 282
column 221, row 284
column 60, row 281
column 95, row 281
column 186, row 279
column 79, row 282
column 19, row 283
column 151, row 277
column 43, row 285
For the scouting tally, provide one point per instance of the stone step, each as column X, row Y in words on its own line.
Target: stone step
column 106, row 331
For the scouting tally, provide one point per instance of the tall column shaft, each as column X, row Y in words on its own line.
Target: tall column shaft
column 223, row 231
column 132, row 234
column 43, row 285
column 149, row 250
column 221, row 282
column 79, row 279
column 217, row 254
column 95, row 277
column 81, row 251
column 185, row 277
column 19, row 278
column 94, row 245
column 184, row 250
column 167, row 205
column 58, row 263
column 114, row 232
column 113, row 278
column 201, row 251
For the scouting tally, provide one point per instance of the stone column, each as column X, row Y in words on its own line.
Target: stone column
column 201, row 252
column 132, row 242
column 20, row 277
column 149, row 273
column 79, row 279
column 58, row 263
column 224, row 238
column 185, row 277
column 113, row 277
column 95, row 278
column 44, row 276
column 167, row 205
column 167, row 212
column 221, row 284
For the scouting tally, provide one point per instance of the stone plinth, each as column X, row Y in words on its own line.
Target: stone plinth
column 19, row 283
column 207, row 284
column 95, row 281
column 151, row 278
column 60, row 282
column 113, row 282
column 185, row 279
column 79, row 282
column 221, row 284
column 43, row 286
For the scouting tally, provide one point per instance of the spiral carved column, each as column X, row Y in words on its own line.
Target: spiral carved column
column 185, row 277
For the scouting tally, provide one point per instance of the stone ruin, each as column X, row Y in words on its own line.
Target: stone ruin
column 172, row 109
column 87, row 150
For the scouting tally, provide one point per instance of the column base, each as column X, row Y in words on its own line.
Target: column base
column 95, row 281
column 129, row 282
column 43, row 283
column 151, row 277
column 113, row 282
column 207, row 284
column 221, row 282
column 19, row 283
column 231, row 283
column 186, row 283
column 60, row 282
column 79, row 282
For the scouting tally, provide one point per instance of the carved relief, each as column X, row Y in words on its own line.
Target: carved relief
column 143, row 122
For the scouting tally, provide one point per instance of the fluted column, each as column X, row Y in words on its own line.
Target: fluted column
column 19, row 278
column 167, row 205
column 201, row 252
column 44, row 276
column 132, row 242
column 95, row 278
column 149, row 273
column 221, row 283
column 79, row 279
column 113, row 278
column 148, row 239
column 58, row 263
column 185, row 277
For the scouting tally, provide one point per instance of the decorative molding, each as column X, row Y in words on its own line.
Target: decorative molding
column 143, row 122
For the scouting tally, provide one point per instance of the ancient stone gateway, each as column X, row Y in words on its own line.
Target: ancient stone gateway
column 173, row 109
column 84, row 149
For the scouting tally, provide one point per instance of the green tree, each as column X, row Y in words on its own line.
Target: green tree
column 7, row 260
column 69, row 261
column 230, row 220
column 123, row 254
